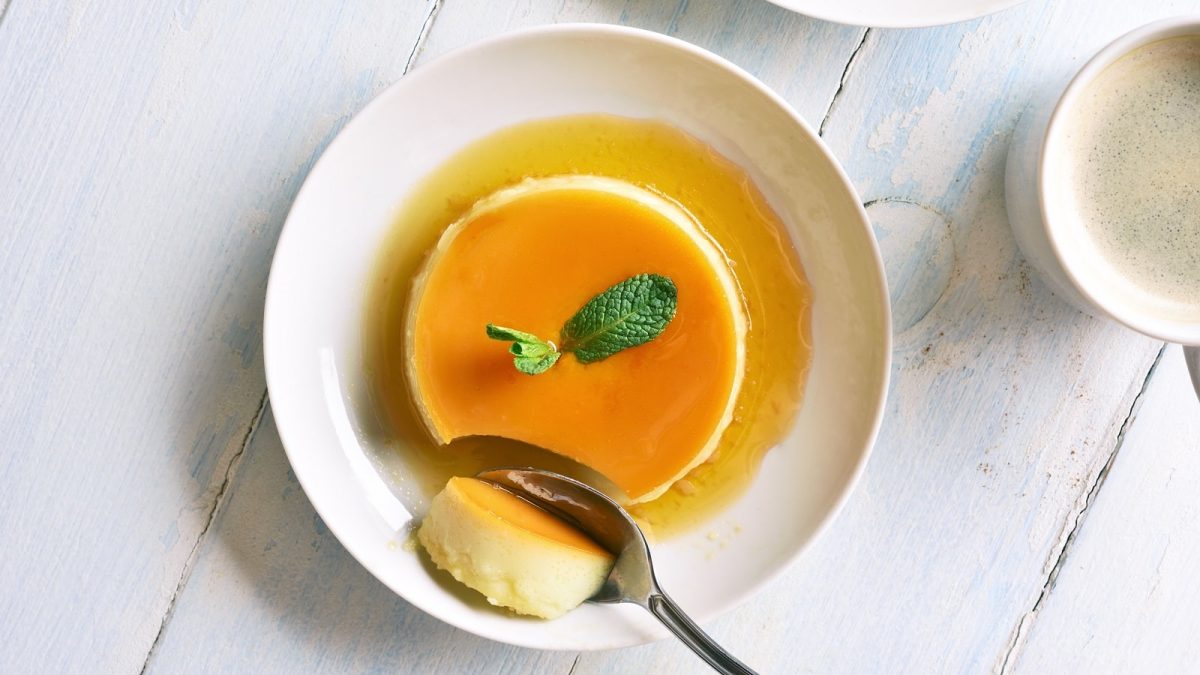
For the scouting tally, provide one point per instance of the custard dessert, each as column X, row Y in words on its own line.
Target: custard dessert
column 514, row 553
column 504, row 244
column 529, row 256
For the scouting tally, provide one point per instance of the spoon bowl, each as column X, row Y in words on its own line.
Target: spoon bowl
column 632, row 577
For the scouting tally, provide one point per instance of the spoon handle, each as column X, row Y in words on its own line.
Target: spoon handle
column 671, row 616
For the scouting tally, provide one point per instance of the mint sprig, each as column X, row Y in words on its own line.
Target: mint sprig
column 531, row 355
column 626, row 315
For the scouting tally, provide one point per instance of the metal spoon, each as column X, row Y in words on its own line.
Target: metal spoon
column 632, row 577
column 1192, row 355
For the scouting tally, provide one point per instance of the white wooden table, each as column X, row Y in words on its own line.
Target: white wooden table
column 1031, row 505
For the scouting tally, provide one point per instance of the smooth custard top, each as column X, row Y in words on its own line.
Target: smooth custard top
column 529, row 259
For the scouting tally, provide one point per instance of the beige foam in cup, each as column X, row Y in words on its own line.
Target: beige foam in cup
column 1103, row 183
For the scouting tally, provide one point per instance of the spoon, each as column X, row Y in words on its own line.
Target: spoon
column 1192, row 355
column 632, row 576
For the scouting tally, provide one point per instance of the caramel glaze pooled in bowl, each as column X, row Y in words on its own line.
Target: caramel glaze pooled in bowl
column 660, row 158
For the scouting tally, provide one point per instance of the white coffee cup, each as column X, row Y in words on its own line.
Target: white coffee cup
column 1037, row 211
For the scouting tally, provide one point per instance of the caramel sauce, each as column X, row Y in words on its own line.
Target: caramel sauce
column 660, row 158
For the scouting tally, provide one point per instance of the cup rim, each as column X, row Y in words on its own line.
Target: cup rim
column 1170, row 330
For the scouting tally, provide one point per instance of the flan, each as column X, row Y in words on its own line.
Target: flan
column 514, row 553
column 528, row 257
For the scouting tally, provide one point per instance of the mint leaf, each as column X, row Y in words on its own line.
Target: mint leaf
column 531, row 365
column 501, row 333
column 534, row 350
column 629, row 314
column 531, row 354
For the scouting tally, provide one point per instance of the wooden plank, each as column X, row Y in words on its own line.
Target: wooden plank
column 150, row 152
column 800, row 58
column 271, row 587
column 274, row 591
column 1127, row 597
column 1005, row 403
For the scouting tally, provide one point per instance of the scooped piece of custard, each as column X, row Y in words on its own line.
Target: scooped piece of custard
column 529, row 256
column 513, row 552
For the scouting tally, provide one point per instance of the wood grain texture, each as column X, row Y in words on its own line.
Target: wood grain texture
column 222, row 611
column 1126, row 597
column 800, row 58
column 144, row 183
column 274, row 591
column 1005, row 403
column 150, row 153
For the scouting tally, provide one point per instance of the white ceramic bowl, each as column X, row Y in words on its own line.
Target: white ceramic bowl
column 896, row 13
column 1042, row 220
column 315, row 305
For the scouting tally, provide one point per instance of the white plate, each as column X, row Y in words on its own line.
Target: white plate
column 315, row 305
column 896, row 13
